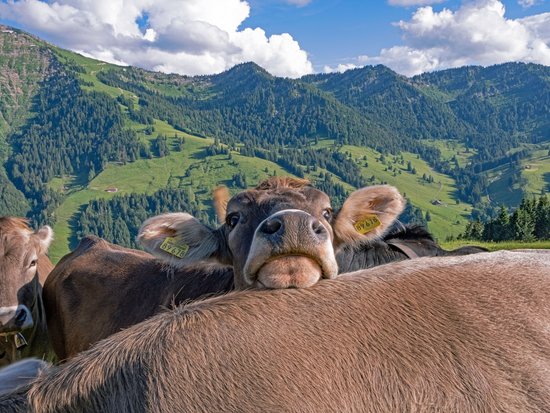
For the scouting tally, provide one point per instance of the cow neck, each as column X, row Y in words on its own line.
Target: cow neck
column 403, row 247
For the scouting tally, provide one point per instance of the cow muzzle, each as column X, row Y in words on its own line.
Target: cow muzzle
column 289, row 249
column 14, row 319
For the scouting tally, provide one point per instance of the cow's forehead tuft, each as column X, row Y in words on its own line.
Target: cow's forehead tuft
column 277, row 182
column 279, row 196
column 12, row 224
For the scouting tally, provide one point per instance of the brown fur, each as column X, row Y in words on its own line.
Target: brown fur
column 280, row 182
column 459, row 334
column 13, row 224
column 101, row 288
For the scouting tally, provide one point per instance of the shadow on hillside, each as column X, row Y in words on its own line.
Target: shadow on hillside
column 546, row 177
column 74, row 239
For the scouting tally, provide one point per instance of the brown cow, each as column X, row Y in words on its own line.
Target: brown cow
column 100, row 288
column 453, row 334
column 281, row 234
column 23, row 268
column 83, row 310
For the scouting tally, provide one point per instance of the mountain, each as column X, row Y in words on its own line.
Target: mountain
column 76, row 133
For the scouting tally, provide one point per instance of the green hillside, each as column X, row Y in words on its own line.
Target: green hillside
column 74, row 130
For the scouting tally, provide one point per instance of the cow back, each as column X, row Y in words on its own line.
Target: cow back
column 454, row 334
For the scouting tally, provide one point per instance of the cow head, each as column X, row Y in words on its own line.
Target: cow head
column 281, row 234
column 20, row 250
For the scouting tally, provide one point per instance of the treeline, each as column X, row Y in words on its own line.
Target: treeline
column 12, row 202
column 528, row 222
column 302, row 160
column 71, row 132
column 247, row 105
column 118, row 220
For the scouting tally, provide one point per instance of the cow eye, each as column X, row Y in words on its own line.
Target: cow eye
column 33, row 263
column 232, row 219
column 327, row 214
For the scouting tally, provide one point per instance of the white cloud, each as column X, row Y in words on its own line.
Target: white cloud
column 182, row 36
column 299, row 3
column 527, row 3
column 407, row 3
column 340, row 68
column 476, row 33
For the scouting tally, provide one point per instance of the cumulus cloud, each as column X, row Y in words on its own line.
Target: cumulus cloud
column 180, row 36
column 407, row 3
column 478, row 32
column 342, row 67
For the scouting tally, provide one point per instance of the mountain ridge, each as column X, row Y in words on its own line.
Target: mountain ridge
column 448, row 139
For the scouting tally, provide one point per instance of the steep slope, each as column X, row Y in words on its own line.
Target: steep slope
column 74, row 130
column 248, row 105
column 505, row 104
column 392, row 100
column 24, row 63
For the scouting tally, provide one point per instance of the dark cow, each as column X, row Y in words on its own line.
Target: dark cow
column 453, row 334
column 281, row 234
column 401, row 243
column 23, row 268
column 100, row 288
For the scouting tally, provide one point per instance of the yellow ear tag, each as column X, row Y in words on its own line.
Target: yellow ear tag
column 367, row 223
column 172, row 247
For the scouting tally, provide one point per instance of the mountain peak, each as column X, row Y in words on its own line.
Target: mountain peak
column 248, row 68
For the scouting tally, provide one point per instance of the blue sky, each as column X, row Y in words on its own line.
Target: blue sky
column 335, row 31
column 291, row 37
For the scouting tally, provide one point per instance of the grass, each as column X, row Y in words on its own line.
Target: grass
column 448, row 217
column 537, row 172
column 188, row 168
column 192, row 168
column 450, row 149
column 495, row 246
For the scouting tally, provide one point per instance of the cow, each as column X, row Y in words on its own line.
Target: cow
column 100, row 288
column 400, row 243
column 443, row 334
column 281, row 234
column 82, row 309
column 24, row 266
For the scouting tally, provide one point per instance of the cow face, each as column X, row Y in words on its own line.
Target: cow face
column 20, row 249
column 281, row 234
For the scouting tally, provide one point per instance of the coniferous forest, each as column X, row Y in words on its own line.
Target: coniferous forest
column 458, row 142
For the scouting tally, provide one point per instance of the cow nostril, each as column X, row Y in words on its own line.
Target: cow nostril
column 20, row 316
column 317, row 227
column 271, row 226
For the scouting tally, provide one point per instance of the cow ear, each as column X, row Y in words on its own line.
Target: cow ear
column 179, row 239
column 367, row 214
column 220, row 198
column 45, row 236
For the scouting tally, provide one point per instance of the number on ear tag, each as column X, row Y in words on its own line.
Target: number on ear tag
column 367, row 223
column 172, row 247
